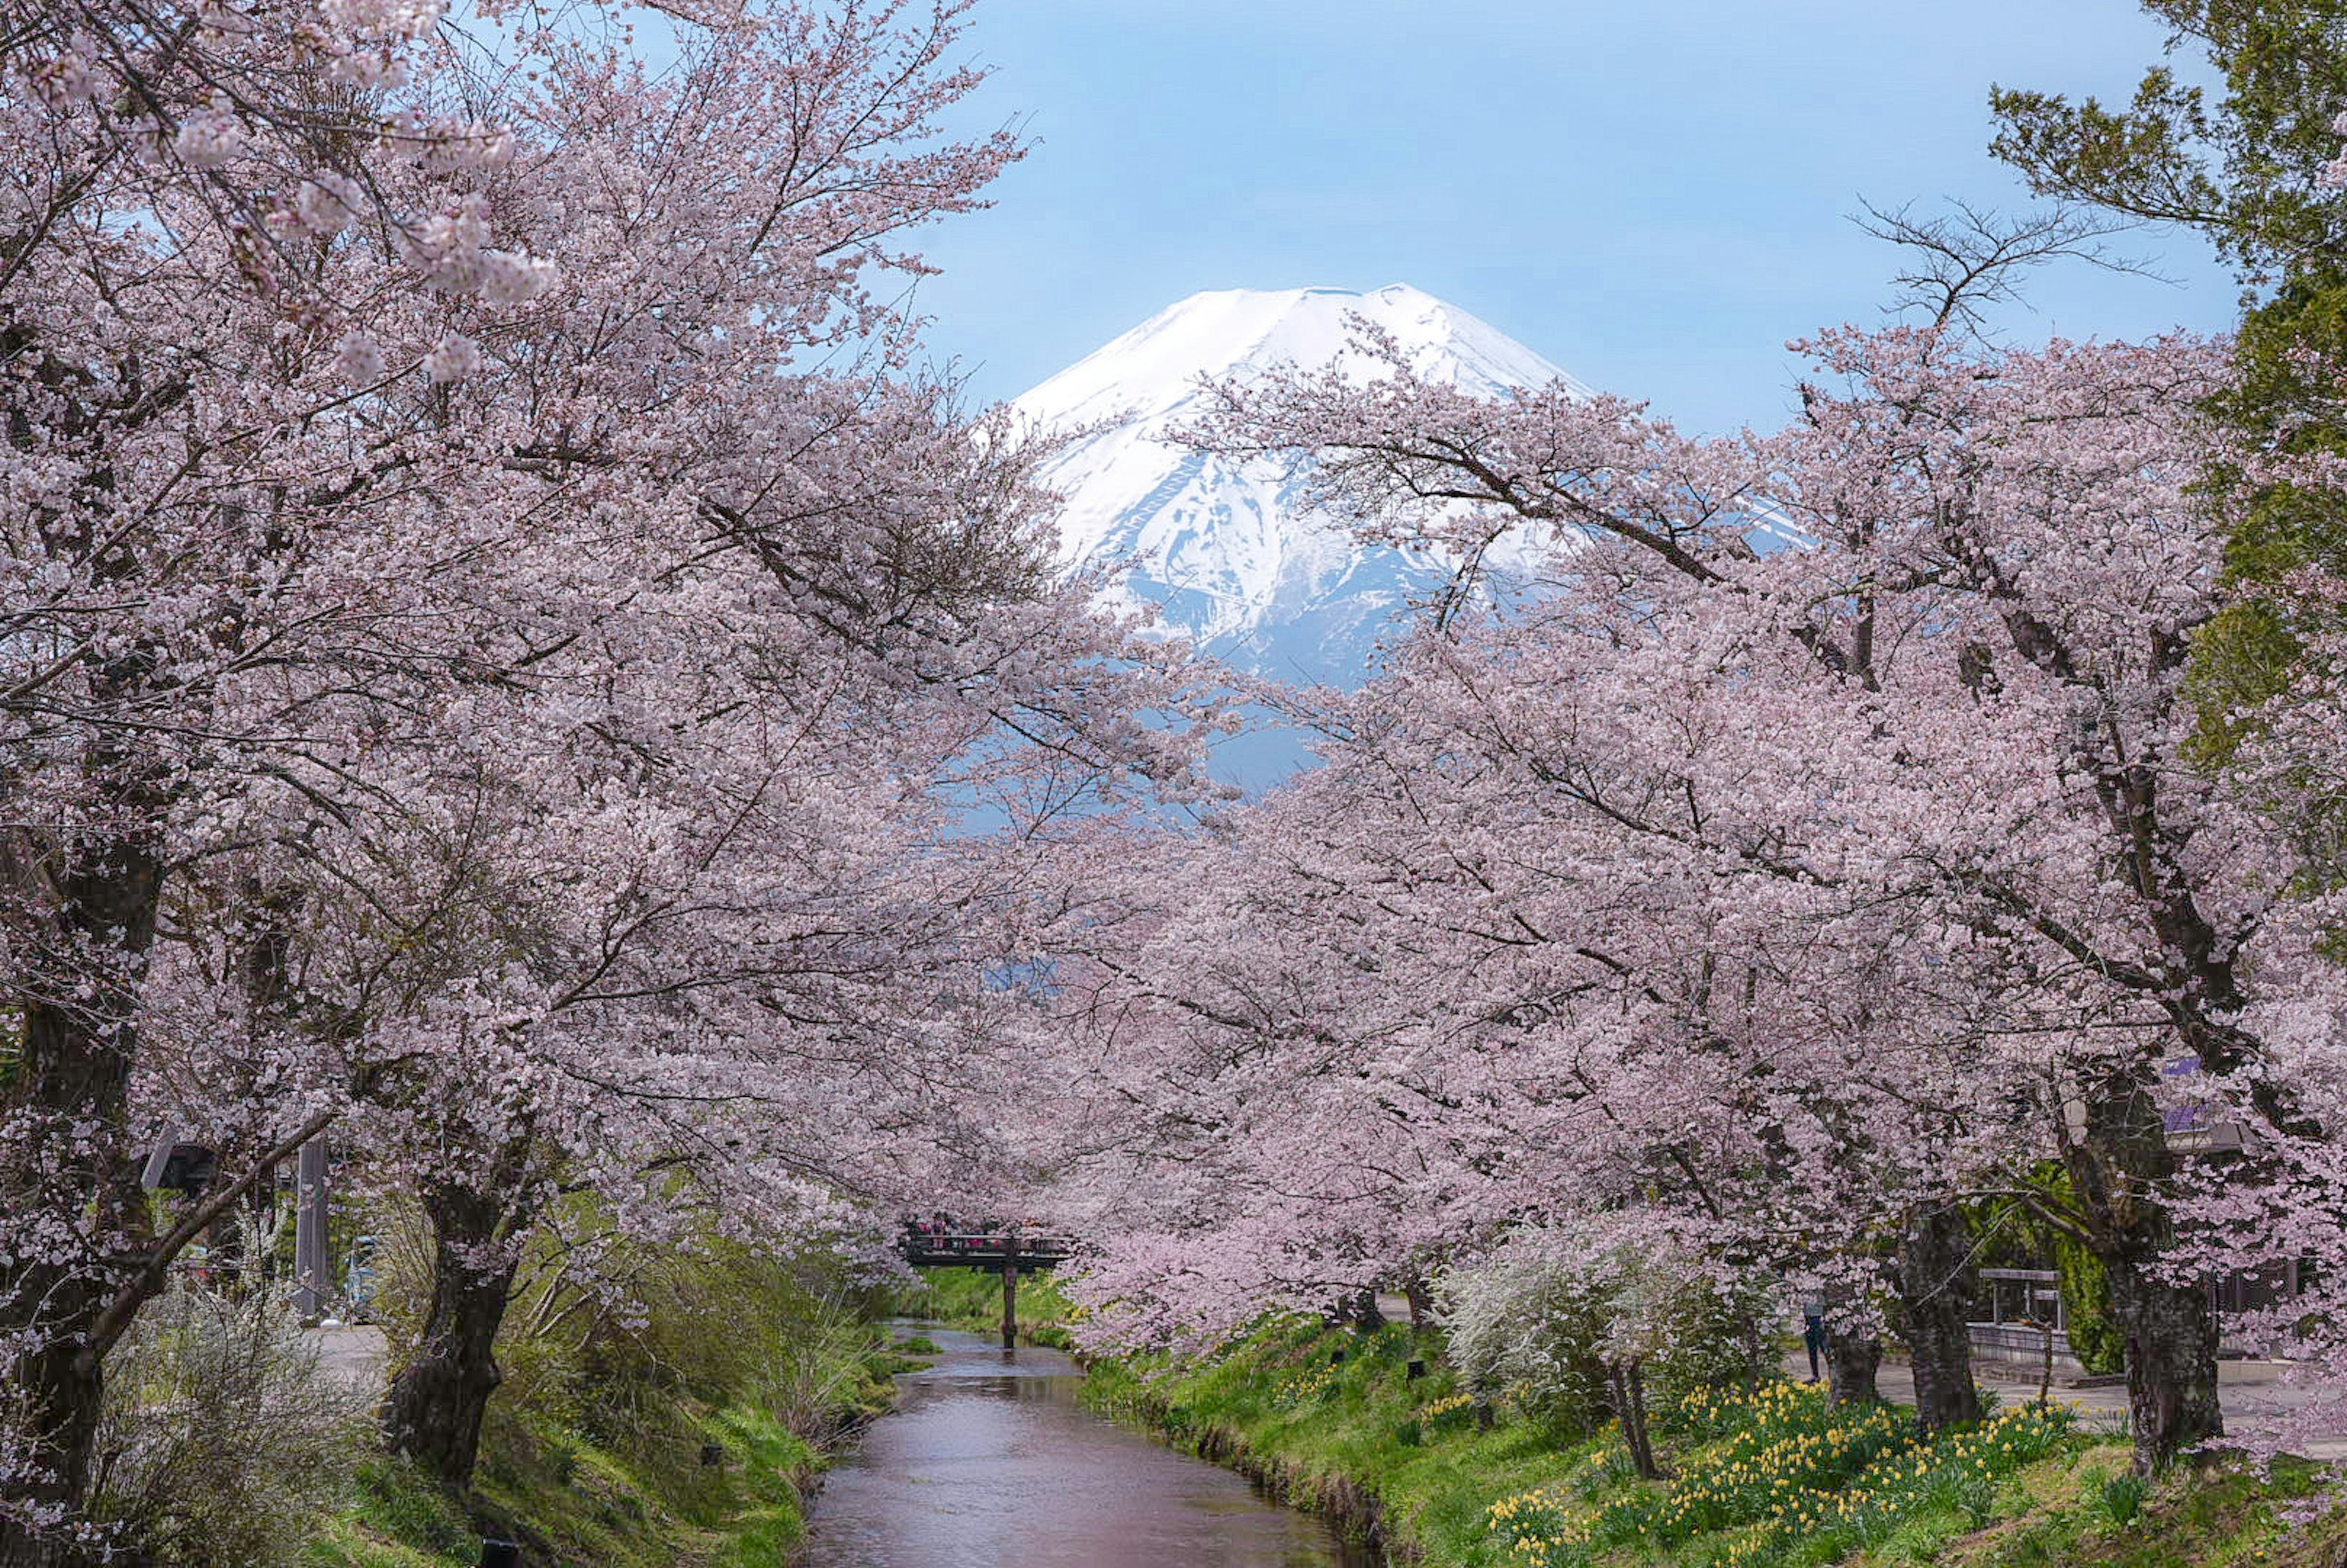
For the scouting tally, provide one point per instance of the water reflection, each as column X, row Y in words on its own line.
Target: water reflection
column 988, row 1461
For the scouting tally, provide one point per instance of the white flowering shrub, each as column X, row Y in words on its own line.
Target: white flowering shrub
column 222, row 1440
column 1545, row 1317
column 1528, row 1327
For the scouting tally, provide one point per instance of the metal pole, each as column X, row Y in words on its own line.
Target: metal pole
column 313, row 1270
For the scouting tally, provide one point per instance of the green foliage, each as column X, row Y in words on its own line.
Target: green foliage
column 2122, row 1497
column 2094, row 1335
column 2241, row 168
column 2016, row 1237
column 624, row 1364
column 970, row 1299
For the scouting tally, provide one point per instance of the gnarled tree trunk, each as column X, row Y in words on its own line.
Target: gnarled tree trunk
column 1934, row 1285
column 2118, row 1167
column 434, row 1409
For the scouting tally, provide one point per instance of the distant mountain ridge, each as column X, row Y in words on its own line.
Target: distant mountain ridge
column 1230, row 550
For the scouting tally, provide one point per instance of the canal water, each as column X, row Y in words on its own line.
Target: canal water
column 988, row 1461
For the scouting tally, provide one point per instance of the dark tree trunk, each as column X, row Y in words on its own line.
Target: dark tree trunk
column 2171, row 1365
column 2119, row 1167
column 433, row 1413
column 1420, row 1296
column 1935, row 1282
column 68, row 1156
column 1626, row 1392
column 1851, row 1361
column 1362, row 1311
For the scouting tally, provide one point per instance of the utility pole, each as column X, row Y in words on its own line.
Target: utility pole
column 312, row 1268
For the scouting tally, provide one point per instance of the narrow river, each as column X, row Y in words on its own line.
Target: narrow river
column 988, row 1461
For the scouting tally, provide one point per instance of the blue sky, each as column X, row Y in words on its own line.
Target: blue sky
column 1653, row 196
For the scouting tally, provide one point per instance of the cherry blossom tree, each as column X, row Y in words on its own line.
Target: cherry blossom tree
column 481, row 586
column 1938, row 741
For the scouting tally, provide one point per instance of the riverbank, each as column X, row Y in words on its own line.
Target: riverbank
column 691, row 1442
column 1373, row 1429
column 722, row 1487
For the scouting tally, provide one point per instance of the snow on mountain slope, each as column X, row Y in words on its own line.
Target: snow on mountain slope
column 1228, row 548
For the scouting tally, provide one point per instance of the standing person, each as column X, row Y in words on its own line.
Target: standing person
column 1813, row 1328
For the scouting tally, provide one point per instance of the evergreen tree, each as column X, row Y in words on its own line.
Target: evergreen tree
column 2244, row 164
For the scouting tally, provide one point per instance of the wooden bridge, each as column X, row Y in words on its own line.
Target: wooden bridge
column 1008, row 1251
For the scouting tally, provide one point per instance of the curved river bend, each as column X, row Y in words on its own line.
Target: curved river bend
column 988, row 1461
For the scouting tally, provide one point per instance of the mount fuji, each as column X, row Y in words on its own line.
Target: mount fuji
column 1229, row 548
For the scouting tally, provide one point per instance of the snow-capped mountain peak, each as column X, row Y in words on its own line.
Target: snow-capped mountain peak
column 1228, row 548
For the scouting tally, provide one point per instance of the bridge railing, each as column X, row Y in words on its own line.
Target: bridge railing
column 983, row 1246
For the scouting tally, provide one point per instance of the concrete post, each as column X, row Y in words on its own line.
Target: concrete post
column 1010, row 1290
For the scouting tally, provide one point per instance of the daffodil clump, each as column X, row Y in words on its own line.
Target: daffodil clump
column 1452, row 1411
column 1305, row 1386
column 1542, row 1527
column 1778, row 1474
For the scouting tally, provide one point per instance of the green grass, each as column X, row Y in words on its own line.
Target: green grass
column 1795, row 1486
column 1340, row 1431
column 2223, row 1517
column 633, row 1494
column 573, row 1500
column 396, row 1518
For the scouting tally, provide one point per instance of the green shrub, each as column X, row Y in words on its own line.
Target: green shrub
column 2095, row 1334
column 2121, row 1498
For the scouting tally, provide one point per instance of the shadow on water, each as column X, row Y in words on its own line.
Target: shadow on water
column 988, row 1460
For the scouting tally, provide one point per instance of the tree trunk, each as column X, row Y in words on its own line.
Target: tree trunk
column 67, row 1157
column 1420, row 1296
column 434, row 1411
column 1365, row 1315
column 2171, row 1363
column 2118, row 1167
column 1851, row 1361
column 1626, row 1388
column 1934, row 1285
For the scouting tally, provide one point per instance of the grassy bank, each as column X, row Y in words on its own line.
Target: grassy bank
column 685, row 1436
column 1333, row 1417
column 575, row 1492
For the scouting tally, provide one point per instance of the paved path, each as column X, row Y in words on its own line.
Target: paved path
column 2253, row 1394
column 350, row 1353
